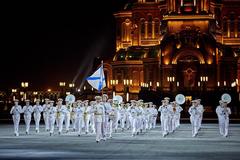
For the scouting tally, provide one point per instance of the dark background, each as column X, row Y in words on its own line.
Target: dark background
column 44, row 43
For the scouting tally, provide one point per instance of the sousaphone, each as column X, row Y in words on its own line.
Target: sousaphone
column 118, row 98
column 180, row 99
column 70, row 98
column 226, row 98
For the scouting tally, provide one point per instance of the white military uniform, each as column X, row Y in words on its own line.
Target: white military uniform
column 128, row 121
column 106, row 124
column 16, row 111
column 201, row 109
column 155, row 114
column 27, row 110
column 98, row 116
column 139, row 118
column 223, row 119
column 163, row 109
column 122, row 117
column 45, row 116
column 79, row 111
column 195, row 115
column 68, row 116
column 87, row 117
column 37, row 109
column 133, row 119
column 112, row 119
column 51, row 118
column 61, row 112
column 179, row 109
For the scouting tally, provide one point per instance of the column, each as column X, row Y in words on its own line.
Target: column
column 153, row 29
column 146, row 30
column 236, row 27
column 202, row 4
column 174, row 5
column 197, row 6
column 228, row 28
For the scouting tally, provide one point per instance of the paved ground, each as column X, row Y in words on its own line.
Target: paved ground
column 151, row 145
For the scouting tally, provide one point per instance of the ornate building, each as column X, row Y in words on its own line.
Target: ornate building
column 176, row 46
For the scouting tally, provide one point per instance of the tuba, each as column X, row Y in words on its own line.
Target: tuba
column 226, row 98
column 180, row 99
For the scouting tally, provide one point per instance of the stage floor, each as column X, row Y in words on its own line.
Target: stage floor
column 150, row 145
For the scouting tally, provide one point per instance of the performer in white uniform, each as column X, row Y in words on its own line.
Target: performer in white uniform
column 61, row 112
column 195, row 115
column 122, row 115
column 45, row 114
column 52, row 113
column 37, row 109
column 179, row 109
column 107, row 108
column 16, row 111
column 98, row 115
column 164, row 113
column 223, row 112
column 27, row 110
column 133, row 117
column 74, row 114
column 87, row 115
column 201, row 109
column 79, row 111
column 68, row 115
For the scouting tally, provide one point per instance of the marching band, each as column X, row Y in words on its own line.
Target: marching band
column 104, row 116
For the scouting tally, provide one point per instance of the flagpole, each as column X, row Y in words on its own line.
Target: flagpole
column 101, row 75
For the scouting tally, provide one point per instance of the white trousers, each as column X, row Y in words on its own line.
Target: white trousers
column 154, row 121
column 67, row 121
column 134, row 125
column 78, row 124
column 86, row 123
column 60, row 123
column 122, row 121
column 164, row 124
column 195, row 124
column 223, row 126
column 37, row 117
column 16, row 120
column 46, row 120
column 98, row 126
column 27, row 119
column 51, row 120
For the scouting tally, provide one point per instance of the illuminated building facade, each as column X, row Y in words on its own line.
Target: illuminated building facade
column 176, row 46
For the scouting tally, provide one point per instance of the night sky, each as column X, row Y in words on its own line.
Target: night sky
column 44, row 43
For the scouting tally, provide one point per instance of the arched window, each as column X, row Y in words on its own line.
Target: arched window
column 126, row 30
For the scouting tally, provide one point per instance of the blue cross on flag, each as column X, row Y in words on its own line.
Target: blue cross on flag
column 97, row 79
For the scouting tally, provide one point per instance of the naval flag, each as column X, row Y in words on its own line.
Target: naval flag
column 97, row 79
